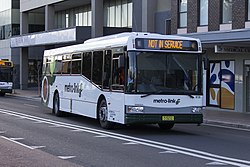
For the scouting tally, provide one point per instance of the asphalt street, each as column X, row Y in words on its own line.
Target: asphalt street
column 31, row 135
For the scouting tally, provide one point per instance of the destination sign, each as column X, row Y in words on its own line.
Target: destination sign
column 166, row 44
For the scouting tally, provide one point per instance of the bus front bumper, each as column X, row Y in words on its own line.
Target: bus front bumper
column 5, row 90
column 163, row 118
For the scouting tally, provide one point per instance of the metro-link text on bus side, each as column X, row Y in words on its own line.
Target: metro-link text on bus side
column 176, row 101
column 165, row 44
column 75, row 88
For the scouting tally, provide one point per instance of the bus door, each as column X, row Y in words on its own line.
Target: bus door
column 117, row 85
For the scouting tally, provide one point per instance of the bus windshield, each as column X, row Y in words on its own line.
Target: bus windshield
column 161, row 72
column 6, row 75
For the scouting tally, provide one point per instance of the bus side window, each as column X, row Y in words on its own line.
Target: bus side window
column 86, row 65
column 58, row 64
column 107, row 69
column 66, row 64
column 76, row 63
column 97, row 67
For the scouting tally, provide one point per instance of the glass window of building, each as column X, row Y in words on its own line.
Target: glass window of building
column 203, row 12
column 80, row 16
column 227, row 11
column 118, row 13
column 182, row 13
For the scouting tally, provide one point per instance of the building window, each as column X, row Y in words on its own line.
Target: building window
column 182, row 13
column 118, row 13
column 80, row 16
column 227, row 11
column 203, row 12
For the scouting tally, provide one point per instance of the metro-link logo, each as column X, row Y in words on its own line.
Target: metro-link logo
column 169, row 101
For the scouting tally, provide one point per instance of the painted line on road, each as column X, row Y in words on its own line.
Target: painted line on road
column 101, row 136
column 226, row 127
column 145, row 142
column 14, row 140
column 130, row 143
column 216, row 163
column 167, row 152
column 21, row 144
column 66, row 157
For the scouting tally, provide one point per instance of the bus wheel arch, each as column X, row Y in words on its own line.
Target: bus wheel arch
column 102, row 113
column 56, row 104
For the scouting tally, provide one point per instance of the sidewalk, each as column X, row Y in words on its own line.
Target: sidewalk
column 211, row 115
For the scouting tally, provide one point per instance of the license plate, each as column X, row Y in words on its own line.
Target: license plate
column 167, row 118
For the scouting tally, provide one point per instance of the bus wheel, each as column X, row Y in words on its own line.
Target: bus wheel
column 56, row 105
column 2, row 94
column 103, row 115
column 166, row 126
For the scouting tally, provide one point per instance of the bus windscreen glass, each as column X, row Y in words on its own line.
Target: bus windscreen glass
column 150, row 72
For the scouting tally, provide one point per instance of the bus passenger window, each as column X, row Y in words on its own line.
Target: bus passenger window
column 58, row 64
column 76, row 63
column 97, row 67
column 86, row 65
column 107, row 69
column 66, row 64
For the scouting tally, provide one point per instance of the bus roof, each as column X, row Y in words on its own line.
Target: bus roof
column 116, row 40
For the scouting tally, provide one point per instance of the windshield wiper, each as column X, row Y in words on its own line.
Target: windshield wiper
column 151, row 93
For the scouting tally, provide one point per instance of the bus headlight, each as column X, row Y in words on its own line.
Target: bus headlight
column 196, row 109
column 135, row 109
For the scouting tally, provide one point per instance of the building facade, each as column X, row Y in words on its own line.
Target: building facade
column 222, row 25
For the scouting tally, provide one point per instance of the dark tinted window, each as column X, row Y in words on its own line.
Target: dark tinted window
column 76, row 63
column 86, row 65
column 107, row 69
column 97, row 67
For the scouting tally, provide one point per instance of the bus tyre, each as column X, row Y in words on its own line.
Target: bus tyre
column 103, row 115
column 56, row 105
column 166, row 126
column 2, row 94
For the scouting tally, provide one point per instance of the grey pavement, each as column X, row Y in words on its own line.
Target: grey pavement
column 212, row 115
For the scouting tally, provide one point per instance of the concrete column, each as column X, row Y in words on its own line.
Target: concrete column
column 148, row 15
column 137, row 16
column 24, row 23
column 24, row 68
column 24, row 29
column 49, row 17
column 97, row 18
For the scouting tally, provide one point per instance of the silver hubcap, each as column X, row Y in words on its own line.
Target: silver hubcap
column 103, row 113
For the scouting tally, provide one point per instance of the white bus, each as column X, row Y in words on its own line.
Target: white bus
column 127, row 78
column 6, row 77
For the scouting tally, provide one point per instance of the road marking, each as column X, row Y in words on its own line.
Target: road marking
column 66, row 157
column 100, row 136
column 168, row 152
column 1, row 132
column 16, row 139
column 38, row 122
column 130, row 143
column 216, row 163
column 37, row 147
column 21, row 144
column 141, row 141
column 226, row 127
column 30, row 105
column 76, row 130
